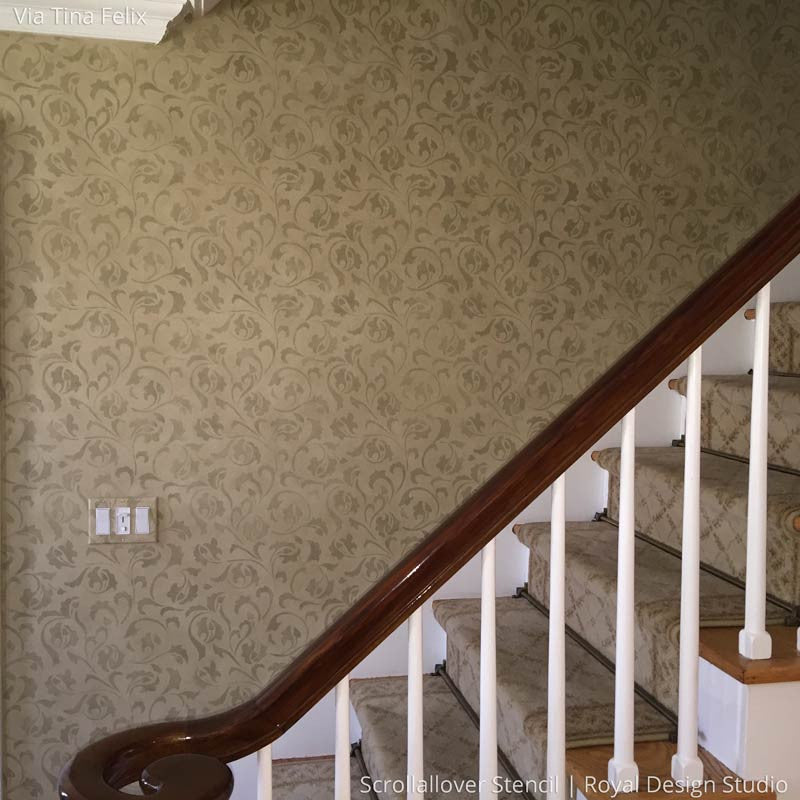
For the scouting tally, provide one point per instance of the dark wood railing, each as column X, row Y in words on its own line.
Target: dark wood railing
column 186, row 760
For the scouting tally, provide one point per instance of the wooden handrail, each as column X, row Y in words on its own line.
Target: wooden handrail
column 186, row 760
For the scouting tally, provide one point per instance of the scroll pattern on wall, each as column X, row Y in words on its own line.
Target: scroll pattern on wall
column 309, row 272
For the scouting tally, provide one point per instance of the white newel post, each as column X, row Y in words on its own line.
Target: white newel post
column 264, row 790
column 754, row 641
column 622, row 769
column 488, row 678
column 342, row 755
column 686, row 764
column 556, row 662
column 415, row 773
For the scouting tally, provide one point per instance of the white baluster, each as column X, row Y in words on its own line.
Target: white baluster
column 488, row 677
column 415, row 719
column 556, row 662
column 622, row 769
column 264, row 790
column 342, row 755
column 686, row 765
column 754, row 641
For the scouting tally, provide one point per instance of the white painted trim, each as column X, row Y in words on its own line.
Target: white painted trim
column 135, row 21
column 341, row 789
column 751, row 729
column 415, row 773
column 754, row 640
column 557, row 648
column 622, row 768
column 686, row 765
column 487, row 758
column 264, row 791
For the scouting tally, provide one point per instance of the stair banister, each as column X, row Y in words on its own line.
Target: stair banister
column 622, row 770
column 186, row 759
column 686, row 765
column 754, row 640
column 264, row 779
column 487, row 770
column 415, row 773
column 556, row 648
column 341, row 780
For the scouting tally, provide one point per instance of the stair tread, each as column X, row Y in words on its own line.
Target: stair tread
column 591, row 587
column 720, row 647
column 725, row 419
column 450, row 738
column 311, row 778
column 522, row 644
column 723, row 511
column 788, row 385
column 589, row 766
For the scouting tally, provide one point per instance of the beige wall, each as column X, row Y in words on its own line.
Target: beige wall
column 309, row 273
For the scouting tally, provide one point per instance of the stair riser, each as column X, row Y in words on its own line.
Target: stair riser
column 784, row 350
column 725, row 421
column 723, row 530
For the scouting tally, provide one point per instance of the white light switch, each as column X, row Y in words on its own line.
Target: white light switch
column 142, row 520
column 128, row 520
column 102, row 521
column 123, row 520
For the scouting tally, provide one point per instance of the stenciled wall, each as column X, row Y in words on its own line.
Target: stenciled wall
column 309, row 272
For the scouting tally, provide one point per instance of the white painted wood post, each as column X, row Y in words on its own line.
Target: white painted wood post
column 415, row 719
column 686, row 764
column 754, row 641
column 623, row 772
column 556, row 661
column 264, row 789
column 341, row 789
column 488, row 702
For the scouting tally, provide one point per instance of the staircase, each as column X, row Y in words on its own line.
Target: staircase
column 452, row 695
column 586, row 682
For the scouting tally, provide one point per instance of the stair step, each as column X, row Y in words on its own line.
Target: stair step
column 522, row 634
column 591, row 590
column 450, row 738
column 312, row 778
column 588, row 767
column 726, row 403
column 723, row 512
column 720, row 647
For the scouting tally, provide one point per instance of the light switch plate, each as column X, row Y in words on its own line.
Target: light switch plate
column 140, row 512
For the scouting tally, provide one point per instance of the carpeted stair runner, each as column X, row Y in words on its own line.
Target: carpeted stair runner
column 723, row 511
column 591, row 591
column 726, row 416
column 784, row 338
column 312, row 779
column 522, row 633
column 450, row 739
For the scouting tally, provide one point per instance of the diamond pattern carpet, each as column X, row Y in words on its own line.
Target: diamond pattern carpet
column 591, row 591
column 723, row 512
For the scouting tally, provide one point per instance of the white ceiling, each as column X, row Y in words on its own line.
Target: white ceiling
column 131, row 20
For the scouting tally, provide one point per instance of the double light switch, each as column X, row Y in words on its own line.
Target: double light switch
column 122, row 519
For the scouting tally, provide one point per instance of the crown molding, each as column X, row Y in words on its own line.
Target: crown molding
column 132, row 21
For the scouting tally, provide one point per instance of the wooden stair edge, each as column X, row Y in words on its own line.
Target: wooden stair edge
column 720, row 647
column 587, row 770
